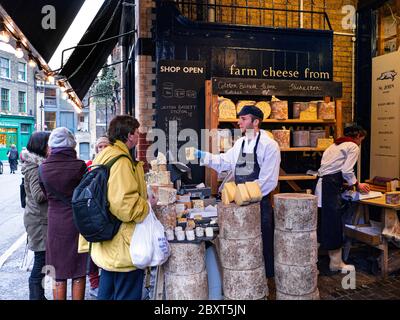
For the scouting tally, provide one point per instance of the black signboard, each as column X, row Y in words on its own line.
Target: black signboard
column 180, row 106
column 267, row 87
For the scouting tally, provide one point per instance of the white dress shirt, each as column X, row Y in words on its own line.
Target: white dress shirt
column 338, row 158
column 268, row 156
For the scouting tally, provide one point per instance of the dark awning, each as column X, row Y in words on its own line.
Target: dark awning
column 370, row 4
column 85, row 62
column 28, row 16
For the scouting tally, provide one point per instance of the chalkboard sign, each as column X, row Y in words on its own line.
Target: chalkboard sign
column 180, row 106
column 261, row 87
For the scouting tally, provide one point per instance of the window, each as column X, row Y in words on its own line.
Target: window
column 25, row 128
column 67, row 120
column 50, row 95
column 84, row 151
column 387, row 32
column 50, row 92
column 4, row 68
column 21, row 101
column 5, row 99
column 21, row 71
column 50, row 120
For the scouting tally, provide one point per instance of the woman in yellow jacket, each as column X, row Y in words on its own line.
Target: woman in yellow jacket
column 120, row 279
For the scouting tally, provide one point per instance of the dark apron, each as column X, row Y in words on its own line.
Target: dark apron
column 331, row 225
column 248, row 169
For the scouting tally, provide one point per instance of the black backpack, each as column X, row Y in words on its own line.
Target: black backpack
column 90, row 205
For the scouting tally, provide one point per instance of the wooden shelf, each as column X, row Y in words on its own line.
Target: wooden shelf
column 302, row 149
column 212, row 120
column 286, row 121
column 296, row 176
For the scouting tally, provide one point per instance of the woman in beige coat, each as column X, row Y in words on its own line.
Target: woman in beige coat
column 35, row 216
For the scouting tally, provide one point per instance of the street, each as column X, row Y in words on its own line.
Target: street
column 14, row 258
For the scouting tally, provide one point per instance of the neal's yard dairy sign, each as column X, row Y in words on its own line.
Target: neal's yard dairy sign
column 271, row 72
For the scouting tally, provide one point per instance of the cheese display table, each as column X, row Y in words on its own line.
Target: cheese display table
column 374, row 233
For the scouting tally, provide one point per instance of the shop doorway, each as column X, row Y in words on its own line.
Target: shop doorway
column 84, row 151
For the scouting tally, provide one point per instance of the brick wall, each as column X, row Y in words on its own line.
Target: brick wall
column 145, row 65
column 144, row 76
column 343, row 44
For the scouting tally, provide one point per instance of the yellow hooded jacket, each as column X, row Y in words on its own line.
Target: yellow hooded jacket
column 128, row 202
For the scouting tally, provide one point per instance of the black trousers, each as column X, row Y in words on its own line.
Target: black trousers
column 36, row 290
column 331, row 226
column 38, row 264
column 267, row 230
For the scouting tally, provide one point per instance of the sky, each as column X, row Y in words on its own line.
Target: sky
column 78, row 27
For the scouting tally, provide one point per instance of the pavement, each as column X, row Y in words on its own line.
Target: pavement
column 16, row 260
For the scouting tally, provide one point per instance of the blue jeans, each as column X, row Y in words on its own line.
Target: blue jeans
column 121, row 285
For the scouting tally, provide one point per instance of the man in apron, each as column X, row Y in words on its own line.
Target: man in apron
column 337, row 167
column 254, row 157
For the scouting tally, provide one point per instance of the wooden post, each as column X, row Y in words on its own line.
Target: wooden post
column 211, row 123
column 339, row 119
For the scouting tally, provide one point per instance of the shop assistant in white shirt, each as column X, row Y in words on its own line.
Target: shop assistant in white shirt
column 338, row 158
column 268, row 156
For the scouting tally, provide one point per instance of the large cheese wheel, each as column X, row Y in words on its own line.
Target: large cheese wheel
column 227, row 109
column 242, row 103
column 269, row 133
column 265, row 107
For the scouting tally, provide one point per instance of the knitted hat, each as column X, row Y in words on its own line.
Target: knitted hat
column 102, row 140
column 62, row 138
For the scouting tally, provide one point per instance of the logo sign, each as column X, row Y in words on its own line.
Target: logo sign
column 388, row 75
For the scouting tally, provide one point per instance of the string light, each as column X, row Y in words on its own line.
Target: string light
column 47, row 75
column 4, row 35
column 64, row 96
column 19, row 53
column 32, row 62
column 50, row 79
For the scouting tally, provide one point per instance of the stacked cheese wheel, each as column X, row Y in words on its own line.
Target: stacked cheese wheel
column 242, row 194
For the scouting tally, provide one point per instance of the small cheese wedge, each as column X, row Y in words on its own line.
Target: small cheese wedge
column 253, row 188
column 225, row 197
column 241, row 196
column 190, row 154
column 198, row 204
column 230, row 188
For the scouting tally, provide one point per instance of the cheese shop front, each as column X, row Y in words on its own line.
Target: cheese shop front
column 245, row 239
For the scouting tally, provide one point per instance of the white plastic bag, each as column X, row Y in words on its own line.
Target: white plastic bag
column 149, row 246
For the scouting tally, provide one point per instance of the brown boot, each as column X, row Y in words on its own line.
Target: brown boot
column 271, row 288
column 60, row 290
column 78, row 288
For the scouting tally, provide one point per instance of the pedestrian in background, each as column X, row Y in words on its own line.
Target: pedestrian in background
column 12, row 155
column 60, row 173
column 35, row 216
column 94, row 276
